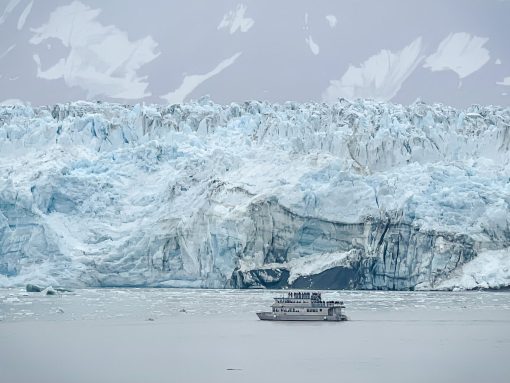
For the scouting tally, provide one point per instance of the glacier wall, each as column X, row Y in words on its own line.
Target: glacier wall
column 351, row 195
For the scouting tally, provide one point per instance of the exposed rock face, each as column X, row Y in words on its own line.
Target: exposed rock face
column 354, row 195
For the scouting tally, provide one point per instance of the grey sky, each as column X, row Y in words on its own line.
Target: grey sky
column 453, row 51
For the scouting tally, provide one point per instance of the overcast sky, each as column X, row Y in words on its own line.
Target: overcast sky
column 450, row 51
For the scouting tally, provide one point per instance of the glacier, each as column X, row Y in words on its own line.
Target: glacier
column 356, row 194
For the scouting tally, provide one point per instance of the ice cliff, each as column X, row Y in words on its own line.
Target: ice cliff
column 351, row 195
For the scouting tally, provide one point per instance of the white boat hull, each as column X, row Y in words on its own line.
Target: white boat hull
column 298, row 317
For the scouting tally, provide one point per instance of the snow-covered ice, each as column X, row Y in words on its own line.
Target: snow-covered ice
column 332, row 20
column 381, row 76
column 235, row 20
column 314, row 48
column 490, row 269
column 460, row 52
column 506, row 81
column 101, row 59
column 190, row 82
column 188, row 195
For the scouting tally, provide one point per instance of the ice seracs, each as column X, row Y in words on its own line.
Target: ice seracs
column 356, row 194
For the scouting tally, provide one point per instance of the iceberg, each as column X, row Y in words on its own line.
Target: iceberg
column 356, row 194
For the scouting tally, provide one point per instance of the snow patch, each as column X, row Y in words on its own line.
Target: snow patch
column 235, row 20
column 23, row 17
column 190, row 83
column 312, row 45
column 380, row 77
column 331, row 19
column 506, row 81
column 8, row 9
column 461, row 52
column 101, row 59
column 6, row 52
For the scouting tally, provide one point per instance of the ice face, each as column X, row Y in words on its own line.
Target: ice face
column 365, row 194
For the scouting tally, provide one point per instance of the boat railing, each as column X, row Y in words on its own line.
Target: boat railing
column 312, row 303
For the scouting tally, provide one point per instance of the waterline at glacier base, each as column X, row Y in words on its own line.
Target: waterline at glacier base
column 354, row 195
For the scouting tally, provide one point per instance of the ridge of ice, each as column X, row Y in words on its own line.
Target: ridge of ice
column 489, row 270
column 98, row 194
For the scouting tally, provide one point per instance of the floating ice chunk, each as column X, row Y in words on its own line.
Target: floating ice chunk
column 12, row 300
column 49, row 291
column 33, row 288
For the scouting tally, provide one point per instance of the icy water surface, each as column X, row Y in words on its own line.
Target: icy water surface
column 181, row 335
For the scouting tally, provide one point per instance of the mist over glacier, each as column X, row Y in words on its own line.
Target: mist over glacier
column 357, row 194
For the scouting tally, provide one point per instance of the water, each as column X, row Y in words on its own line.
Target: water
column 182, row 335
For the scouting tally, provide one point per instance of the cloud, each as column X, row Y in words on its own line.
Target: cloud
column 236, row 20
column 506, row 81
column 101, row 59
column 460, row 52
column 313, row 46
column 380, row 77
column 8, row 9
column 23, row 18
column 498, row 62
column 331, row 19
column 189, row 83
